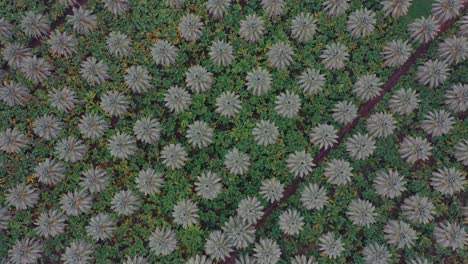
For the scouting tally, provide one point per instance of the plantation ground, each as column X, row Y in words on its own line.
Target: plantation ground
column 145, row 23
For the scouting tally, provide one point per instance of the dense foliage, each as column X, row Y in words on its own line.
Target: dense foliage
column 160, row 131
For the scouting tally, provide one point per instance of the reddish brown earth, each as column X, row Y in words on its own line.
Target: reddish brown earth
column 34, row 43
column 364, row 111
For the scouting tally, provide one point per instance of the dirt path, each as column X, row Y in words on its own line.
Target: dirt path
column 34, row 42
column 364, row 111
